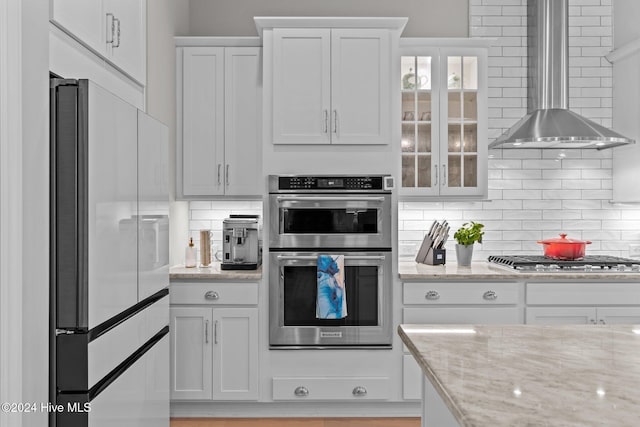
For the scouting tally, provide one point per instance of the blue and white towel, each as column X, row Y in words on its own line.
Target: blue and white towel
column 332, row 298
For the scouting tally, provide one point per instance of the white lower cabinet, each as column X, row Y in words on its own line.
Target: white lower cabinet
column 214, row 350
column 455, row 303
column 582, row 303
column 327, row 388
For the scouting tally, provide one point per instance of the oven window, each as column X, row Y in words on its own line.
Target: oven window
column 328, row 221
column 300, row 293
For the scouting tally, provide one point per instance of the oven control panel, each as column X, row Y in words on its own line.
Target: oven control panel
column 331, row 183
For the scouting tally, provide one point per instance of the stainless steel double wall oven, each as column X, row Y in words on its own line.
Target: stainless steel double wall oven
column 335, row 215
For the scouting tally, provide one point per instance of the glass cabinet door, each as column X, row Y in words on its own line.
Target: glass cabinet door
column 459, row 168
column 419, row 112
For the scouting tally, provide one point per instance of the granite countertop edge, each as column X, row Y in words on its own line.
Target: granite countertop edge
column 482, row 270
column 180, row 272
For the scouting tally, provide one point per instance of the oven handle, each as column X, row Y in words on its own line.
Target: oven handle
column 346, row 257
column 328, row 199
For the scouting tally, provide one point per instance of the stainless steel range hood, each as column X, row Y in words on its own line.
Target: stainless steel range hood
column 549, row 123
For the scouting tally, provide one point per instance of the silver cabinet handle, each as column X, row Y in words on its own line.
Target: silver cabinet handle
column 226, row 175
column 432, row 295
column 436, row 183
column 212, row 295
column 301, row 391
column 592, row 321
column 117, row 32
column 219, row 166
column 335, row 121
column 215, row 332
column 112, row 27
column 602, row 322
column 359, row 391
column 444, row 175
column 326, row 121
column 206, row 332
column 490, row 296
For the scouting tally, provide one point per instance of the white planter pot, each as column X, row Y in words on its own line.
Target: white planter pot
column 464, row 253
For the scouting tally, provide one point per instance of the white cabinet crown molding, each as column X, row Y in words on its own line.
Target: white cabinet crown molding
column 267, row 22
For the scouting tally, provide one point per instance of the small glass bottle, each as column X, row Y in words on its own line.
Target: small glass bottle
column 190, row 255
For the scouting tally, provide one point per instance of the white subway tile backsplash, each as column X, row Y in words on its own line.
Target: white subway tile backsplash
column 582, row 184
column 562, row 214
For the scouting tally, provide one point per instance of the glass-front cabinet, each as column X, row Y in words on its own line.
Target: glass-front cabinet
column 444, row 118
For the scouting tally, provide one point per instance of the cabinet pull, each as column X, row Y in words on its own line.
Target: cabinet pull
column 301, row 391
column 215, row 332
column 326, row 121
column 359, row 391
column 112, row 27
column 226, row 176
column 335, row 121
column 602, row 322
column 219, row 166
column 490, row 296
column 592, row 321
column 206, row 332
column 444, row 175
column 117, row 32
column 432, row 295
column 212, row 295
column 436, row 183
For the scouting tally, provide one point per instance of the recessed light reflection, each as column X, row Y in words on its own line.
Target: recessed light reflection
column 517, row 392
column 441, row 331
column 636, row 331
column 600, row 392
column 515, row 144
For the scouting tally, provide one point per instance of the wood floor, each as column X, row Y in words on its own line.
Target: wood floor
column 295, row 422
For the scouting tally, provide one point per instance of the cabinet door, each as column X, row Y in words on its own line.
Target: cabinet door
column 419, row 115
column 243, row 121
column 618, row 315
column 560, row 315
column 463, row 105
column 235, row 373
column 128, row 49
column 83, row 19
column 360, row 86
column 202, row 121
column 301, row 86
column 191, row 353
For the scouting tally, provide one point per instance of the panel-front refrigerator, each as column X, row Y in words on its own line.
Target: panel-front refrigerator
column 109, row 343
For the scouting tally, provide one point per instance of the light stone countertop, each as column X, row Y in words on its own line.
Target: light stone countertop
column 532, row 375
column 213, row 273
column 483, row 270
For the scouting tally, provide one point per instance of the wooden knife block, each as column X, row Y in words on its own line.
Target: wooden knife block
column 429, row 255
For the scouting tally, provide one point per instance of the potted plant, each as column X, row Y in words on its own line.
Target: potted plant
column 466, row 236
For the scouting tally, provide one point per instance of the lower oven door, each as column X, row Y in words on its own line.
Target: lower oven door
column 293, row 294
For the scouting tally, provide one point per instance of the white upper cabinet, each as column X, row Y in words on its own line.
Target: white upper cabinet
column 113, row 29
column 329, row 81
column 444, row 118
column 219, row 121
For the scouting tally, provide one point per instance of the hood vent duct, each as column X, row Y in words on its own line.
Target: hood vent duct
column 549, row 123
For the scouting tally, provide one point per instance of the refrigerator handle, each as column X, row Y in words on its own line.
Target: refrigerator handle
column 206, row 331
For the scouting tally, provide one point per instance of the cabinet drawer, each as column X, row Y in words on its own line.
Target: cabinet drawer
column 583, row 294
column 324, row 388
column 463, row 315
column 214, row 293
column 460, row 293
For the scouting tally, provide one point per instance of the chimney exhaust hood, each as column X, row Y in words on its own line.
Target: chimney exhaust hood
column 549, row 123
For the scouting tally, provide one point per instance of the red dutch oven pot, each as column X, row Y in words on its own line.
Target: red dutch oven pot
column 563, row 248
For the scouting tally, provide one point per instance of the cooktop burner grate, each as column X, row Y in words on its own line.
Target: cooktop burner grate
column 525, row 262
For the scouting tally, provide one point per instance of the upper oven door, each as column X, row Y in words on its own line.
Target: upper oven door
column 330, row 221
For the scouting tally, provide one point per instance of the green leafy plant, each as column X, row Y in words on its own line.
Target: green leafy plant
column 469, row 233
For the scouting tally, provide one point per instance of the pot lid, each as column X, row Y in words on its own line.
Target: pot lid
column 563, row 239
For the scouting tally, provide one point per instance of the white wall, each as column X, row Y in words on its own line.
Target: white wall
column 536, row 194
column 428, row 18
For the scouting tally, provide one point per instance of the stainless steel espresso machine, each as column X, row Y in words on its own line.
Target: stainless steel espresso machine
column 241, row 242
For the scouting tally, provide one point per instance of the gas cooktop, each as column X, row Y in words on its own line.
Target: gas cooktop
column 590, row 263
